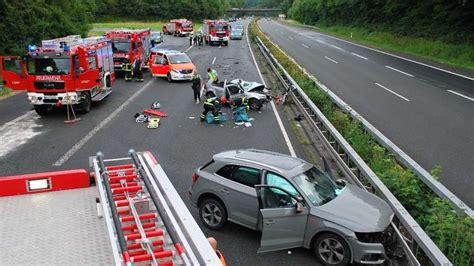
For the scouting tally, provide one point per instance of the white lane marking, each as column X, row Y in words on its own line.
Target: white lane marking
column 321, row 41
column 96, row 129
column 277, row 116
column 396, row 56
column 332, row 60
column 190, row 47
column 360, row 56
column 304, row 45
column 399, row 71
column 462, row 95
column 18, row 132
column 337, row 47
column 389, row 90
column 291, row 38
column 213, row 61
column 332, row 45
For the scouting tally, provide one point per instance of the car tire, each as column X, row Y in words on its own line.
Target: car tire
column 210, row 94
column 331, row 249
column 42, row 110
column 212, row 214
column 255, row 105
column 168, row 76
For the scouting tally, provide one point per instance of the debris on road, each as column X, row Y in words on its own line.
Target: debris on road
column 155, row 105
column 155, row 112
column 248, row 124
column 153, row 123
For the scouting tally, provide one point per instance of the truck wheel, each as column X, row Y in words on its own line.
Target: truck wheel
column 212, row 214
column 85, row 105
column 210, row 95
column 331, row 249
column 42, row 110
column 226, row 43
column 168, row 76
column 255, row 105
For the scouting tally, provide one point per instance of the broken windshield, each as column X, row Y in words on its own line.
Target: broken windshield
column 317, row 186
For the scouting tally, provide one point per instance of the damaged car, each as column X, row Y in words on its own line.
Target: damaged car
column 256, row 95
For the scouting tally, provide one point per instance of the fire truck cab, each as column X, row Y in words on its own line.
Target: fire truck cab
column 130, row 44
column 216, row 31
column 178, row 27
column 68, row 70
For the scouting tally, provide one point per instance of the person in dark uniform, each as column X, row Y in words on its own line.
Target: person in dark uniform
column 137, row 70
column 127, row 69
column 211, row 105
column 197, row 87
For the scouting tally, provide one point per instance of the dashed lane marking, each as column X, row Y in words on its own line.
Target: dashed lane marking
column 399, row 71
column 332, row 60
column 394, row 93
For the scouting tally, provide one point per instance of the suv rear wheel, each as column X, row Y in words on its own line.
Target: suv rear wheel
column 212, row 214
column 331, row 249
column 255, row 105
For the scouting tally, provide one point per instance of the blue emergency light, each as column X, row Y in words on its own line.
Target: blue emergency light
column 32, row 47
column 66, row 48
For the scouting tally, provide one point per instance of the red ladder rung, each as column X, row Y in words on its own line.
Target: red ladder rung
column 134, row 226
column 123, row 212
column 135, row 236
column 117, row 179
column 158, row 255
column 128, row 184
column 143, row 252
column 137, row 246
column 141, row 217
column 121, row 172
column 126, row 189
column 118, row 167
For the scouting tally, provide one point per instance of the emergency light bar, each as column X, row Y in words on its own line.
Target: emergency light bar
column 61, row 43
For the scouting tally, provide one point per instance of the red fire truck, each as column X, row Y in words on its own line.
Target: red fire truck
column 68, row 70
column 131, row 44
column 178, row 27
column 216, row 31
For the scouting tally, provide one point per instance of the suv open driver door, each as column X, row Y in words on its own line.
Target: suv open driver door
column 14, row 72
column 284, row 219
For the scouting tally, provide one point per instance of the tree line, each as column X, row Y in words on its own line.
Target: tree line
column 30, row 21
column 447, row 20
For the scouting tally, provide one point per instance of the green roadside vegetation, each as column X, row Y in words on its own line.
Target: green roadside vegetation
column 4, row 91
column 457, row 55
column 453, row 232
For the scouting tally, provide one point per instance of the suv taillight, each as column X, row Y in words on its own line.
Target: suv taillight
column 195, row 177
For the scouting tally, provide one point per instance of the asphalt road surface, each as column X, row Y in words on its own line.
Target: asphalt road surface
column 428, row 113
column 30, row 143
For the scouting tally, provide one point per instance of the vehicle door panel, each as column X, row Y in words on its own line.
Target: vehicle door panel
column 14, row 73
column 159, row 68
column 283, row 213
column 88, row 77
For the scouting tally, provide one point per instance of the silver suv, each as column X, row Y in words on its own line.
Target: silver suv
column 294, row 205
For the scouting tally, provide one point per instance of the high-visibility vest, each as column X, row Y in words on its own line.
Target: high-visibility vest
column 212, row 75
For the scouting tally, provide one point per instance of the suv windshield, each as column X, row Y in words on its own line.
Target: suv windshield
column 49, row 66
column 317, row 186
column 121, row 47
column 238, row 27
column 179, row 59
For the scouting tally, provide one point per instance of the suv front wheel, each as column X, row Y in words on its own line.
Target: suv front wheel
column 331, row 249
column 212, row 214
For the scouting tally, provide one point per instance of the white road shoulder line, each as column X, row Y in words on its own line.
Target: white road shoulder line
column 462, row 95
column 190, row 47
column 277, row 116
column 394, row 93
column 332, row 60
column 360, row 56
column 399, row 71
column 396, row 56
column 96, row 129
column 213, row 61
column 304, row 45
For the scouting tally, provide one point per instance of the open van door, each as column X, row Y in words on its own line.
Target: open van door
column 284, row 219
column 14, row 72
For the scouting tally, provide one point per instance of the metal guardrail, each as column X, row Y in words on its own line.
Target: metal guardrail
column 403, row 158
column 355, row 167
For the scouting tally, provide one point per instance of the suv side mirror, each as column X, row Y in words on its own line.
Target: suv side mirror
column 341, row 182
column 299, row 207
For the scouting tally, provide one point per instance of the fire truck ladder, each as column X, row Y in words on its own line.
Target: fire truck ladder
column 147, row 221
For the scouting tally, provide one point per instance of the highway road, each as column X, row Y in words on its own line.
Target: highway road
column 427, row 112
column 30, row 143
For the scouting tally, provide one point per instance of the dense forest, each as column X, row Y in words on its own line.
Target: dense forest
column 447, row 20
column 29, row 21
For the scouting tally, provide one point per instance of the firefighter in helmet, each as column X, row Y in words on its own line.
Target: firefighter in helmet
column 240, row 102
column 137, row 70
column 211, row 105
column 127, row 69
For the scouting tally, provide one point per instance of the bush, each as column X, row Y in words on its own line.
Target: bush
column 452, row 232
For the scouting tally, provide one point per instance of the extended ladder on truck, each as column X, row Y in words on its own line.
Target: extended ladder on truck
column 146, row 219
